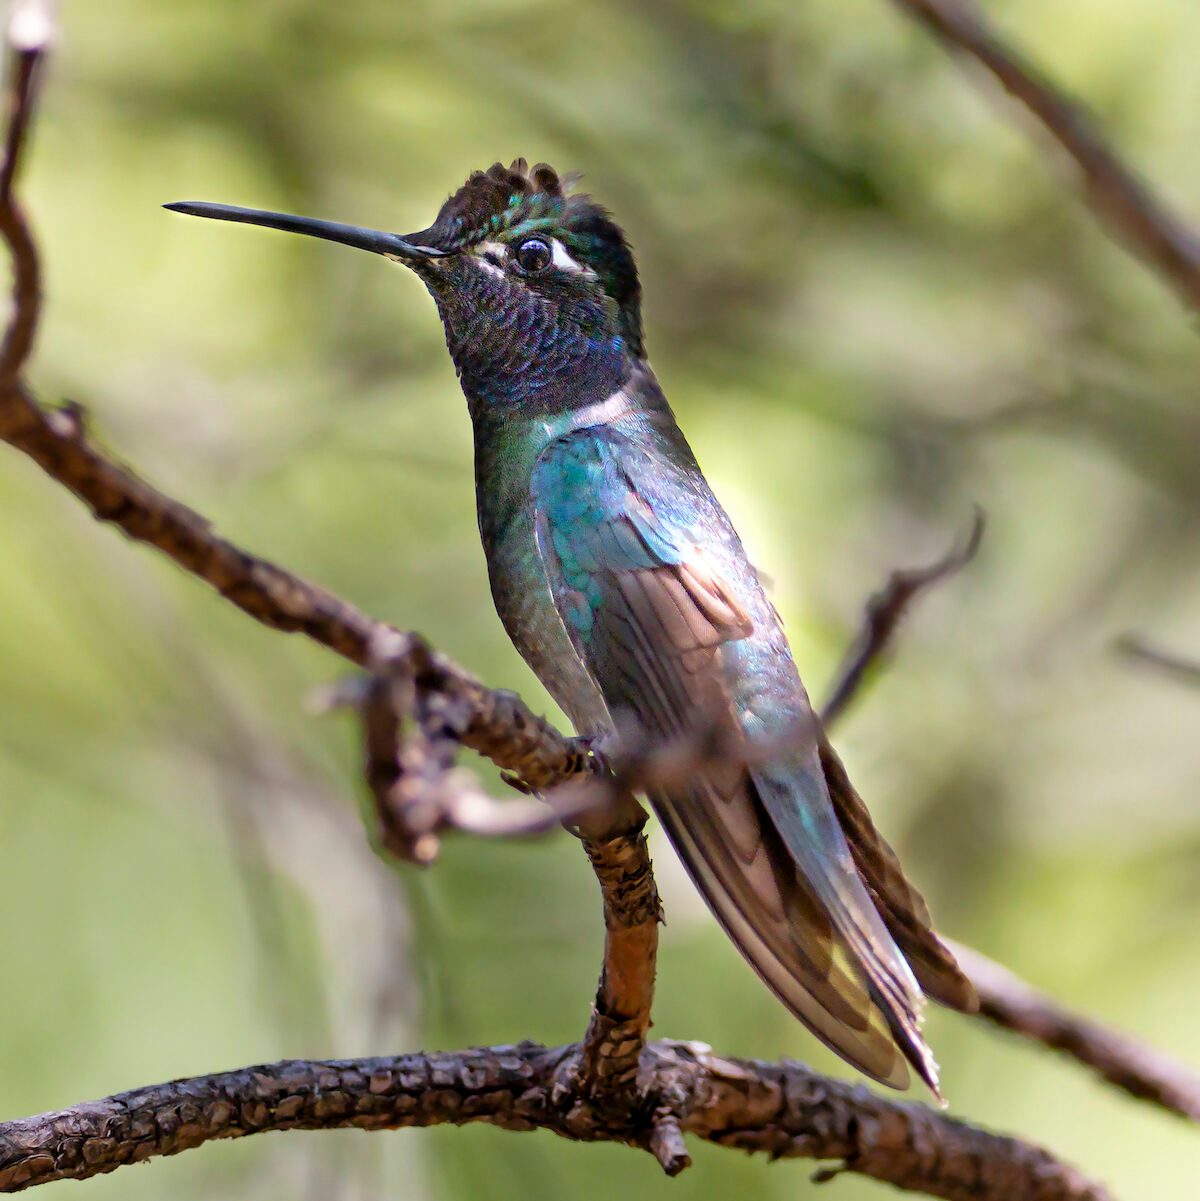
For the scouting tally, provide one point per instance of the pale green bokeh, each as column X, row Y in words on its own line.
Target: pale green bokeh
column 873, row 300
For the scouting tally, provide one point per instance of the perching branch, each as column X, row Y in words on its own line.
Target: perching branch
column 782, row 1110
column 611, row 1086
column 419, row 794
column 1125, row 204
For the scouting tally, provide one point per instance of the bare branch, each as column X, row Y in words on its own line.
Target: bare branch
column 1186, row 671
column 1010, row 1003
column 610, row 1055
column 57, row 441
column 419, row 794
column 28, row 37
column 1125, row 205
column 417, row 790
column 611, row 1052
column 884, row 612
column 782, row 1110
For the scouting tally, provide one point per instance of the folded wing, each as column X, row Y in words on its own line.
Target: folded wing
column 650, row 613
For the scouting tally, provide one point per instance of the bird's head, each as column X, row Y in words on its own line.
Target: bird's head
column 536, row 285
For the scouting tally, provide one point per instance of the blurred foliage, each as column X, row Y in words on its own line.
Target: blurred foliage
column 872, row 301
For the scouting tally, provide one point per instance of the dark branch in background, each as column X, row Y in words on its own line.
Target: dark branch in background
column 783, row 1110
column 1004, row 999
column 1186, row 671
column 418, row 707
column 1010, row 1003
column 29, row 33
column 884, row 612
column 1126, row 205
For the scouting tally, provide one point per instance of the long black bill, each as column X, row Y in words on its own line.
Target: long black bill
column 348, row 235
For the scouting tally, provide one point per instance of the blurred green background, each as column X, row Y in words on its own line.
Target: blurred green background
column 872, row 301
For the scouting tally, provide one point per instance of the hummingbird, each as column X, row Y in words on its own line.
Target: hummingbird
column 623, row 584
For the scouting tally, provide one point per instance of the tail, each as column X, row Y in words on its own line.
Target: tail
column 767, row 850
column 901, row 906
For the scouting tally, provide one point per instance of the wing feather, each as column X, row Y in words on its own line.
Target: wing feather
column 651, row 615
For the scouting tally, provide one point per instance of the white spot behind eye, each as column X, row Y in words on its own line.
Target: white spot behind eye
column 564, row 262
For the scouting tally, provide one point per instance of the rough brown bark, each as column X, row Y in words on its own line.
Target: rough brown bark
column 612, row 1047
column 782, row 1110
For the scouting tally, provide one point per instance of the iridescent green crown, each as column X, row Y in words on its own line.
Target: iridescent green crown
column 508, row 203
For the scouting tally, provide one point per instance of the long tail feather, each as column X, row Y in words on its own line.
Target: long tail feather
column 901, row 906
column 746, row 875
column 797, row 803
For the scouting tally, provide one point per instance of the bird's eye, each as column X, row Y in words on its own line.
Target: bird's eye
column 534, row 255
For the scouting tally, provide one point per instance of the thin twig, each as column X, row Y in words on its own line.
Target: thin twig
column 1125, row 204
column 782, row 1110
column 418, row 793
column 1186, row 671
column 1008, row 1002
column 30, row 30
column 884, row 612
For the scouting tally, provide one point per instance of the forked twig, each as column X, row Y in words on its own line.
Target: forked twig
column 884, row 612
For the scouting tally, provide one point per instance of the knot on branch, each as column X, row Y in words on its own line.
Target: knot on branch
column 417, row 710
column 649, row 1110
